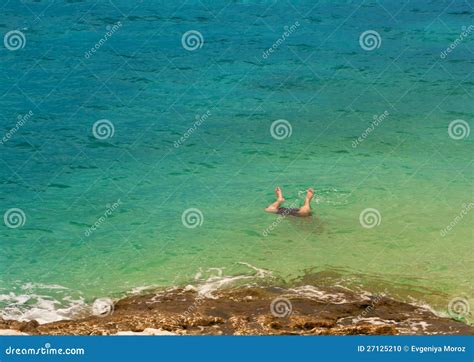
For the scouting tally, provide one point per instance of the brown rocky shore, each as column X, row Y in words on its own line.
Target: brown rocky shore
column 251, row 311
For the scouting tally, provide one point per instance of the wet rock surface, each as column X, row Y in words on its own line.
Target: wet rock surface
column 251, row 311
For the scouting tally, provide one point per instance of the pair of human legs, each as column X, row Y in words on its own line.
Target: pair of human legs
column 304, row 210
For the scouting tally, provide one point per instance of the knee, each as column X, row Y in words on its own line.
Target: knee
column 304, row 212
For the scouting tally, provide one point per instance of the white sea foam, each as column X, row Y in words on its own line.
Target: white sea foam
column 425, row 306
column 331, row 196
column 312, row 292
column 408, row 326
column 208, row 281
column 217, row 280
column 141, row 289
column 376, row 321
column 29, row 286
column 35, row 302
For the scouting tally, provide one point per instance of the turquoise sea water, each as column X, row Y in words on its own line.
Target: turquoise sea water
column 153, row 91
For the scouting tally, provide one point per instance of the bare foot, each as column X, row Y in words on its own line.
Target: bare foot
column 279, row 194
column 305, row 210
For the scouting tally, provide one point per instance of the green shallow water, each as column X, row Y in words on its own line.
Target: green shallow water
column 320, row 80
